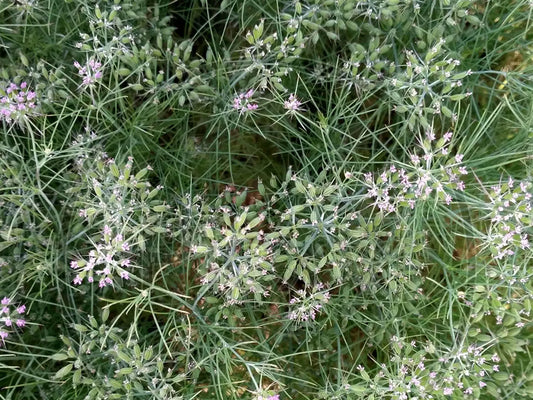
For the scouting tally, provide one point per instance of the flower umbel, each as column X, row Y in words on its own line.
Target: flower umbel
column 242, row 102
column 16, row 102
column 90, row 72
column 267, row 396
column 105, row 260
column 292, row 105
column 11, row 316
column 305, row 307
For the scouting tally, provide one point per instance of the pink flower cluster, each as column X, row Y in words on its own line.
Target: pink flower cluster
column 274, row 397
column 399, row 187
column 16, row 102
column 459, row 373
column 105, row 260
column 10, row 316
column 512, row 205
column 292, row 105
column 242, row 102
column 308, row 305
column 90, row 72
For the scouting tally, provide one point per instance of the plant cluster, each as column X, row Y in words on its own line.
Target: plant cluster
column 266, row 200
column 11, row 317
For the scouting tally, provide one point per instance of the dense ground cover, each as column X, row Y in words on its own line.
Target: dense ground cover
column 266, row 200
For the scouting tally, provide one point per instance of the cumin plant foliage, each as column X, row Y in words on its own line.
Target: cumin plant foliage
column 266, row 200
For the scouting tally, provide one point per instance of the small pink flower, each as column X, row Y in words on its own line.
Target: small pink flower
column 21, row 323
column 90, row 73
column 242, row 102
column 77, row 280
column 5, row 301
column 292, row 105
column 249, row 94
column 21, row 309
column 16, row 104
column 447, row 391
